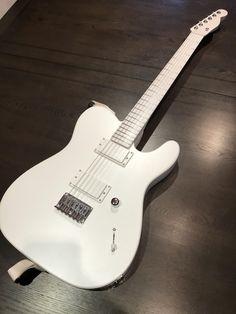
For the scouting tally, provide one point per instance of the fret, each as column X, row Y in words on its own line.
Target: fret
column 125, row 130
column 121, row 135
column 127, row 125
column 149, row 93
column 142, row 105
column 146, row 105
column 139, row 115
column 126, row 135
column 121, row 139
column 137, row 109
column 138, row 123
column 144, row 116
column 135, row 117
column 133, row 132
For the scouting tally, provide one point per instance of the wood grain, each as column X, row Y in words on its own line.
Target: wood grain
column 55, row 56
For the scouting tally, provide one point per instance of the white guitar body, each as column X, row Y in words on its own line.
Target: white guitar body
column 83, row 254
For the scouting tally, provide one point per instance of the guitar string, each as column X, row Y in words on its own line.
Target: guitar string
column 101, row 159
column 187, row 44
column 88, row 177
column 104, row 159
column 84, row 178
column 105, row 151
column 80, row 180
column 184, row 55
column 98, row 166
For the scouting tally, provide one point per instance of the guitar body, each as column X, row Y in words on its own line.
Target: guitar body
column 99, row 251
column 78, row 214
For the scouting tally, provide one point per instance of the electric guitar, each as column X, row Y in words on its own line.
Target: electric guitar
column 78, row 214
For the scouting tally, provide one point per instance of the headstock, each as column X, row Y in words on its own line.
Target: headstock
column 209, row 23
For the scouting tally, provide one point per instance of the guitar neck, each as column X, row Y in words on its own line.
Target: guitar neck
column 137, row 118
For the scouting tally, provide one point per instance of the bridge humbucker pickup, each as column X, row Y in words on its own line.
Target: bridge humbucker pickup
column 74, row 208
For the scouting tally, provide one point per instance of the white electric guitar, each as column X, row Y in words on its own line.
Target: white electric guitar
column 78, row 214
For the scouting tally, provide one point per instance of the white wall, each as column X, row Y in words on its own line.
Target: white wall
column 5, row 6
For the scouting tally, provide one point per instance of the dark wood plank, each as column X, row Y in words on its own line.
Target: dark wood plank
column 58, row 55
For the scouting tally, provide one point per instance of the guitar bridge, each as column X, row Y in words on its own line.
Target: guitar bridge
column 74, row 208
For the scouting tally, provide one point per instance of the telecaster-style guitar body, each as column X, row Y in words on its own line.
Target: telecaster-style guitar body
column 78, row 214
column 99, row 251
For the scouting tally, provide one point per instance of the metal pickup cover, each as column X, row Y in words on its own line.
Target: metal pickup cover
column 114, row 152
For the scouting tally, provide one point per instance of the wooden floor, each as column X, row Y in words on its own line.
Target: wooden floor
column 55, row 56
